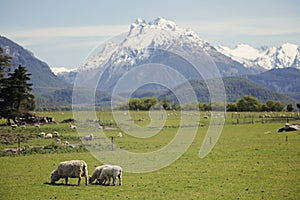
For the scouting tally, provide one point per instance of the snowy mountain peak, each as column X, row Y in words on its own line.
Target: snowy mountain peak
column 287, row 55
column 290, row 49
column 163, row 23
column 143, row 36
column 157, row 23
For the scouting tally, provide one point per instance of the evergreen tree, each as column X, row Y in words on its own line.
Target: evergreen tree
column 4, row 63
column 289, row 108
column 16, row 97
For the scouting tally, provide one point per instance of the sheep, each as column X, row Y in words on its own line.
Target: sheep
column 14, row 126
column 42, row 134
column 55, row 133
column 120, row 134
column 66, row 143
column 289, row 127
column 73, row 126
column 89, row 137
column 48, row 136
column 58, row 141
column 23, row 126
column 113, row 171
column 72, row 169
column 37, row 125
column 96, row 173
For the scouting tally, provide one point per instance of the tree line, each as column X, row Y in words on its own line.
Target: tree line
column 245, row 104
column 16, row 90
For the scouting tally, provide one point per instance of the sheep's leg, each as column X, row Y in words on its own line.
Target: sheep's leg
column 66, row 179
column 114, row 180
column 108, row 179
column 86, row 180
column 79, row 179
column 120, row 179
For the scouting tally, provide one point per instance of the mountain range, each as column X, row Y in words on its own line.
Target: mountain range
column 274, row 70
column 287, row 55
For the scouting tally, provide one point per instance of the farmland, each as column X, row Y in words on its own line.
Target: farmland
column 250, row 161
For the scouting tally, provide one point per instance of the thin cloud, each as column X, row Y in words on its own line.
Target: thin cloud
column 81, row 31
column 266, row 26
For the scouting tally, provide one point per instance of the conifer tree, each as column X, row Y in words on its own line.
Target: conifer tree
column 16, row 96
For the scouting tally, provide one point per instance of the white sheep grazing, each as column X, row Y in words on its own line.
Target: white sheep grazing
column 55, row 133
column 37, row 125
column 48, row 136
column 120, row 134
column 23, row 126
column 109, row 172
column 13, row 126
column 96, row 173
column 66, row 143
column 42, row 134
column 73, row 126
column 72, row 169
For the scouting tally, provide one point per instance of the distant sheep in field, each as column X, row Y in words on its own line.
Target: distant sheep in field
column 120, row 134
column 23, row 126
column 37, row 125
column 14, row 126
column 66, row 143
column 96, row 173
column 42, row 134
column 55, row 133
column 89, row 137
column 73, row 126
column 289, row 127
column 72, row 169
column 48, row 136
column 114, row 172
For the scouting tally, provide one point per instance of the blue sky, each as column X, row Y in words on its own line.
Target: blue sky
column 64, row 32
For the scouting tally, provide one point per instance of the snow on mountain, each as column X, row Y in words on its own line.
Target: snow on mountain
column 141, row 38
column 60, row 70
column 287, row 55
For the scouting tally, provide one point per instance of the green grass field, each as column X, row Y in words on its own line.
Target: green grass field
column 246, row 163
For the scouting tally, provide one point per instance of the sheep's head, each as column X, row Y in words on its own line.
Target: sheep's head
column 54, row 176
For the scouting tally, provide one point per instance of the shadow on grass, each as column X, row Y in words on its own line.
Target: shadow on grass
column 60, row 184
column 72, row 185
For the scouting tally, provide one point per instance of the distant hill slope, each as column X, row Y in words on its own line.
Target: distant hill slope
column 43, row 79
column 285, row 81
column 235, row 88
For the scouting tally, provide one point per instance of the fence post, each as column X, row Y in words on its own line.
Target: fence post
column 112, row 143
column 19, row 145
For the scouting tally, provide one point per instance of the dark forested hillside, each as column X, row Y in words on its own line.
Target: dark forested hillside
column 235, row 88
column 285, row 81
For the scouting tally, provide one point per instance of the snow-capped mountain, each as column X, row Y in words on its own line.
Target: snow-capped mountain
column 149, row 42
column 287, row 55
column 141, row 37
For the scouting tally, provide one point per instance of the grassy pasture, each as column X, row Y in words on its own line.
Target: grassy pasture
column 246, row 163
